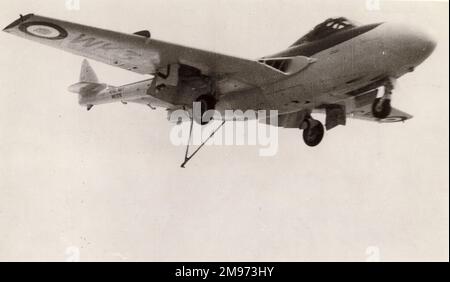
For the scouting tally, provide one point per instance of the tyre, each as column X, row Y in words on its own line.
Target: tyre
column 381, row 109
column 313, row 134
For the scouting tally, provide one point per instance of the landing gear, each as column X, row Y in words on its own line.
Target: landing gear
column 381, row 107
column 207, row 102
column 313, row 132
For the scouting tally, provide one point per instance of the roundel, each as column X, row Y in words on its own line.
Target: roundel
column 393, row 119
column 43, row 30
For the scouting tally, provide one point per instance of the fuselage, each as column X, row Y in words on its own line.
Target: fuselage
column 345, row 62
column 354, row 59
column 136, row 92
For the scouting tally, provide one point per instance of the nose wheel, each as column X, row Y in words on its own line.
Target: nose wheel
column 381, row 107
column 313, row 132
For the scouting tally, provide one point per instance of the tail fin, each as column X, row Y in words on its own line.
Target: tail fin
column 88, row 81
column 87, row 74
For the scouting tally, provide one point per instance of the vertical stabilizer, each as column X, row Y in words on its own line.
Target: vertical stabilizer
column 88, row 83
column 87, row 73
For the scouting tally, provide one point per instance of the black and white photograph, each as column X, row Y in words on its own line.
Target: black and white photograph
column 224, row 131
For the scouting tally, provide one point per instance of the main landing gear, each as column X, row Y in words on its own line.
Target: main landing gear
column 313, row 131
column 381, row 107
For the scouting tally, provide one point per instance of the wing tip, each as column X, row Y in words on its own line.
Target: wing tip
column 18, row 21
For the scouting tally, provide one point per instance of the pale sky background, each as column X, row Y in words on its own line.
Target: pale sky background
column 108, row 182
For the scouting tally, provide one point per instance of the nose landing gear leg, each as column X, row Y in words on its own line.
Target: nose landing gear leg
column 381, row 107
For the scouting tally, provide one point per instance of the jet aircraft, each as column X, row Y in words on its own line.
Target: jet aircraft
column 339, row 69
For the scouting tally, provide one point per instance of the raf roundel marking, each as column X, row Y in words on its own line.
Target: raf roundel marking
column 44, row 30
column 393, row 119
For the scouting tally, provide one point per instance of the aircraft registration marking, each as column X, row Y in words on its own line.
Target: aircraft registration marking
column 90, row 42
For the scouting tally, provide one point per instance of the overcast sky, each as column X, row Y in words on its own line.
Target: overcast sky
column 108, row 182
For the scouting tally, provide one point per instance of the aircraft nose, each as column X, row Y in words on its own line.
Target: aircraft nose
column 410, row 42
column 424, row 43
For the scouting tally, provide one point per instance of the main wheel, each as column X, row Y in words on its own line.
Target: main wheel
column 381, row 108
column 314, row 132
column 207, row 102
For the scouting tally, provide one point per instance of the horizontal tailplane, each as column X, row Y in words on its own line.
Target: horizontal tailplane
column 87, row 87
column 89, row 83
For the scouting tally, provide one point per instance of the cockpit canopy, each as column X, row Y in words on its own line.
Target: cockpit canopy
column 325, row 29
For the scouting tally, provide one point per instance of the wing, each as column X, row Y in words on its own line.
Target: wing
column 293, row 120
column 366, row 114
column 137, row 52
column 360, row 107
